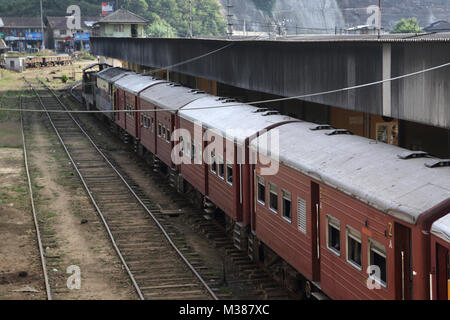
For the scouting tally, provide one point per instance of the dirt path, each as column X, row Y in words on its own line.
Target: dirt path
column 19, row 255
column 72, row 233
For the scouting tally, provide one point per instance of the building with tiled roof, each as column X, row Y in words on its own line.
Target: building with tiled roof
column 60, row 36
column 21, row 33
column 121, row 24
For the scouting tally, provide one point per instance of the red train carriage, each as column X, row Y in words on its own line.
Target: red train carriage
column 157, row 127
column 128, row 90
column 340, row 204
column 226, row 180
column 338, row 208
column 440, row 261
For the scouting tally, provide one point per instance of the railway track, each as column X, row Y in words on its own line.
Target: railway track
column 33, row 210
column 241, row 271
column 156, row 266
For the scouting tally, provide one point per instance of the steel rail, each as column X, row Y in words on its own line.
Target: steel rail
column 136, row 286
column 33, row 209
column 166, row 235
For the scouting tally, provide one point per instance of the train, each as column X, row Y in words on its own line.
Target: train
column 340, row 216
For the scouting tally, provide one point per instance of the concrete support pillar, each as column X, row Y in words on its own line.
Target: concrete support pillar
column 387, row 74
column 351, row 78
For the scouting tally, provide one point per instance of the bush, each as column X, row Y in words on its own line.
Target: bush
column 410, row 25
column 64, row 78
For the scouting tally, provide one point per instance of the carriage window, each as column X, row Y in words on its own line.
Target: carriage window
column 130, row 109
column 273, row 197
column 213, row 162
column 287, row 210
column 193, row 149
column 159, row 129
column 221, row 168
column 145, row 121
column 181, row 144
column 153, row 122
column 168, row 135
column 163, row 131
column 354, row 247
column 261, row 190
column 230, row 174
column 334, row 235
column 377, row 257
column 301, row 214
column 188, row 149
column 142, row 120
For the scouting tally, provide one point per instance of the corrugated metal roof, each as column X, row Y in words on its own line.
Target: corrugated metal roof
column 370, row 171
column 135, row 83
column 169, row 97
column 238, row 122
column 441, row 228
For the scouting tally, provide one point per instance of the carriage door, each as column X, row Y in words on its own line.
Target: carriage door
column 117, row 105
column 443, row 273
column 403, row 279
column 315, row 227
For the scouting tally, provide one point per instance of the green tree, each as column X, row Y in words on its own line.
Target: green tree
column 161, row 29
column 206, row 14
column 139, row 7
column 410, row 25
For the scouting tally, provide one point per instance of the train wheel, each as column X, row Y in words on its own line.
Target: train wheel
column 308, row 290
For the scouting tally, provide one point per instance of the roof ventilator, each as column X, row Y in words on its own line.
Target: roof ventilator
column 259, row 110
column 321, row 127
column 196, row 91
column 270, row 113
column 338, row 132
column 438, row 163
column 412, row 155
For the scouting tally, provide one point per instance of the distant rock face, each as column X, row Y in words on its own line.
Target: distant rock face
column 303, row 15
column 426, row 11
column 323, row 16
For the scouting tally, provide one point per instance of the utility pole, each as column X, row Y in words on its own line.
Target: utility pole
column 229, row 22
column 379, row 19
column 42, row 28
column 117, row 5
column 191, row 32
